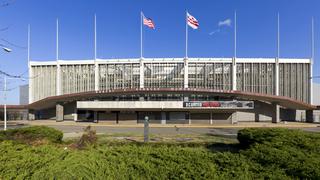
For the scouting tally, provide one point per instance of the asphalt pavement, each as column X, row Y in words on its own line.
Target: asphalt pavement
column 228, row 131
column 153, row 130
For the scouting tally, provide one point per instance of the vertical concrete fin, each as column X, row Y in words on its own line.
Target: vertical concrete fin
column 186, row 72
column 141, row 73
column 234, row 74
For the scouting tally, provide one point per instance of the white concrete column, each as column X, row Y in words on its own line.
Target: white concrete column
column 186, row 72
column 310, row 82
column 30, row 86
column 96, row 76
column 141, row 73
column 234, row 74
column 234, row 118
column 58, row 83
column 75, row 114
column 59, row 112
column 211, row 122
column 275, row 113
column 276, row 82
column 31, row 115
column 75, row 117
column 163, row 118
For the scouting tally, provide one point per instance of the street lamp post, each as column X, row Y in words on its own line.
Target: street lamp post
column 5, row 100
column 5, row 103
column 6, row 49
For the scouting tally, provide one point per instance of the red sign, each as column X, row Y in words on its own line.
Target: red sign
column 211, row 104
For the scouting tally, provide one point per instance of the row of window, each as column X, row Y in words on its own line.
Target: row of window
column 251, row 77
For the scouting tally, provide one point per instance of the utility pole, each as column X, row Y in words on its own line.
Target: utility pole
column 5, row 99
column 5, row 103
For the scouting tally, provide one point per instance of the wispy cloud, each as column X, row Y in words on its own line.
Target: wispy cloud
column 213, row 32
column 226, row 22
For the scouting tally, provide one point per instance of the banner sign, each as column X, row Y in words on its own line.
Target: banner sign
column 220, row 104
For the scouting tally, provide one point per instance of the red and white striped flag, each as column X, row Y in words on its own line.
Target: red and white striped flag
column 192, row 21
column 148, row 22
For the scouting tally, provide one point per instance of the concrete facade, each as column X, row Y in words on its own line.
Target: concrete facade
column 119, row 113
column 24, row 94
column 316, row 94
column 59, row 112
column 283, row 77
column 287, row 78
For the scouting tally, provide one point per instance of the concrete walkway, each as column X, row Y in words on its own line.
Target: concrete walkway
column 105, row 124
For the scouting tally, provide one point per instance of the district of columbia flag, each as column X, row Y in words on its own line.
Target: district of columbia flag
column 192, row 21
column 148, row 22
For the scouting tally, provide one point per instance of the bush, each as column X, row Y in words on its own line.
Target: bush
column 280, row 137
column 272, row 154
column 32, row 134
column 294, row 152
column 293, row 161
column 130, row 161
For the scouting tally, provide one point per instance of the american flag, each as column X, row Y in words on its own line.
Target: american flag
column 192, row 21
column 148, row 22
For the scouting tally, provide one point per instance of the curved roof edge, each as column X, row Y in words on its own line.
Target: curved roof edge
column 147, row 60
column 281, row 100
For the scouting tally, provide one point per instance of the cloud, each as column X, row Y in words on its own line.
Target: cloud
column 213, row 32
column 226, row 22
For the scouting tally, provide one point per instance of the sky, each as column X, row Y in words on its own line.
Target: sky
column 118, row 30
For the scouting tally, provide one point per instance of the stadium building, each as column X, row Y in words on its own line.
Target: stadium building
column 172, row 90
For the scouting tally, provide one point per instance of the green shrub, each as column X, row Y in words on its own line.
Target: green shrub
column 292, row 161
column 271, row 154
column 19, row 161
column 280, row 137
column 251, row 136
column 32, row 134
column 294, row 152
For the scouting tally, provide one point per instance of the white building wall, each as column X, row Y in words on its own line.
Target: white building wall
column 316, row 94
column 80, row 76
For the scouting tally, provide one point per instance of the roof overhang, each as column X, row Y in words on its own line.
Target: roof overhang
column 14, row 107
column 169, row 60
column 285, row 102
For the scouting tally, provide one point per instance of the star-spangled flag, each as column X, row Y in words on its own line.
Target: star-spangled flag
column 192, row 21
column 148, row 22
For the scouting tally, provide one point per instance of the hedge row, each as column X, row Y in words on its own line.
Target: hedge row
column 32, row 134
column 296, row 152
column 267, row 154
column 280, row 137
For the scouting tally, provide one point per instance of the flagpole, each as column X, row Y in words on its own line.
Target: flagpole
column 96, row 65
column 141, row 34
column 28, row 45
column 29, row 70
column 312, row 39
column 186, row 34
column 277, row 59
column 95, row 37
column 278, row 37
column 235, row 34
column 234, row 64
column 311, row 63
column 57, row 39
